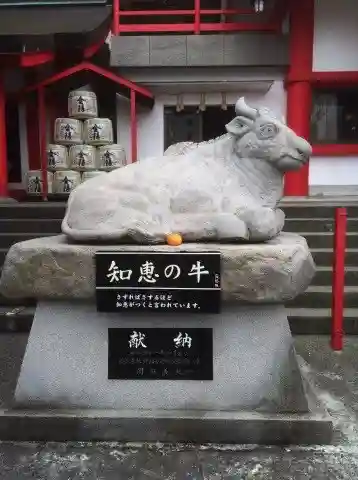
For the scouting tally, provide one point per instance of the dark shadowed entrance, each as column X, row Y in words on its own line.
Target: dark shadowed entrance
column 192, row 125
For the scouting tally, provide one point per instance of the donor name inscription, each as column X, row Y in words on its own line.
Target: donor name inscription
column 160, row 353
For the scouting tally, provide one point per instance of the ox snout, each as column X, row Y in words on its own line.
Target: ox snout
column 303, row 149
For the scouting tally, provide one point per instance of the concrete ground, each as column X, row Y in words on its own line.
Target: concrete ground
column 333, row 374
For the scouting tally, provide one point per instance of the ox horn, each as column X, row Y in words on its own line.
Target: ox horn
column 241, row 108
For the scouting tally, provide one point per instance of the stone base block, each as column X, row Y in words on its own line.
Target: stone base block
column 314, row 428
column 256, row 381
column 51, row 268
column 255, row 368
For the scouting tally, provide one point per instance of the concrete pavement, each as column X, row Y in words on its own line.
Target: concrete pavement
column 336, row 383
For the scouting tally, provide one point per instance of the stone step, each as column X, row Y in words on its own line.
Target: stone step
column 317, row 225
column 324, row 276
column 324, row 256
column 321, row 297
column 325, row 240
column 16, row 318
column 32, row 210
column 317, row 321
column 34, row 225
column 308, row 210
column 8, row 239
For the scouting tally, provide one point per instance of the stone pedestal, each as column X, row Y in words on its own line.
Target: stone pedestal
column 255, row 368
column 257, row 394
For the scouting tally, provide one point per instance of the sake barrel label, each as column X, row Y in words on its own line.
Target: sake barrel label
column 82, row 104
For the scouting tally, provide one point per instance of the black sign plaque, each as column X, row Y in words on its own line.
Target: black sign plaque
column 160, row 354
column 158, row 281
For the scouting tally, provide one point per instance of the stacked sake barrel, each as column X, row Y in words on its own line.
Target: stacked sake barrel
column 83, row 147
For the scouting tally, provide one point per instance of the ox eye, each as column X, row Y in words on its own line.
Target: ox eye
column 269, row 130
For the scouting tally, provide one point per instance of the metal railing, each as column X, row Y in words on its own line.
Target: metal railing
column 338, row 278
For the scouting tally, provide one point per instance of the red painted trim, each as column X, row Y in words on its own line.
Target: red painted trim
column 299, row 93
column 93, row 49
column 94, row 68
column 153, row 28
column 340, row 235
column 324, row 79
column 3, row 141
column 334, row 78
column 204, row 27
column 133, row 125
column 197, row 26
column 238, row 27
column 33, row 59
column 197, row 17
column 119, row 80
column 335, row 150
column 54, row 78
column 42, row 139
column 203, row 11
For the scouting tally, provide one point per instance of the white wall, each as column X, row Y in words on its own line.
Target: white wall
column 333, row 171
column 151, row 123
column 335, row 35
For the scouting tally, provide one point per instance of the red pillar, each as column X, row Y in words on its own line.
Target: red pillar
column 115, row 19
column 3, row 141
column 298, row 87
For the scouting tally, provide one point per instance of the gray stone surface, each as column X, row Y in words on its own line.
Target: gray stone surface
column 205, row 50
column 237, row 49
column 165, row 426
column 255, row 368
column 334, row 375
column 255, row 49
column 167, row 50
column 132, row 51
column 116, row 461
column 50, row 267
column 227, row 189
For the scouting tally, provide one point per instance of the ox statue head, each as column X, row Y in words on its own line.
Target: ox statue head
column 260, row 135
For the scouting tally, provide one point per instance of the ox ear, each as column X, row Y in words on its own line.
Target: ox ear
column 239, row 126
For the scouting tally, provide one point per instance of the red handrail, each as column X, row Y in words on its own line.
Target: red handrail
column 196, row 26
column 340, row 234
column 219, row 11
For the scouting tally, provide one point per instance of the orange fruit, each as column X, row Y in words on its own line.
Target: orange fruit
column 174, row 239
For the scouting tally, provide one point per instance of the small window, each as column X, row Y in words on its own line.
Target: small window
column 334, row 118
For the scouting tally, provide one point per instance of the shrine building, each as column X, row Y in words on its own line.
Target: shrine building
column 166, row 71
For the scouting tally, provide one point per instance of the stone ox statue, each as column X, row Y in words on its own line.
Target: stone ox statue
column 226, row 189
